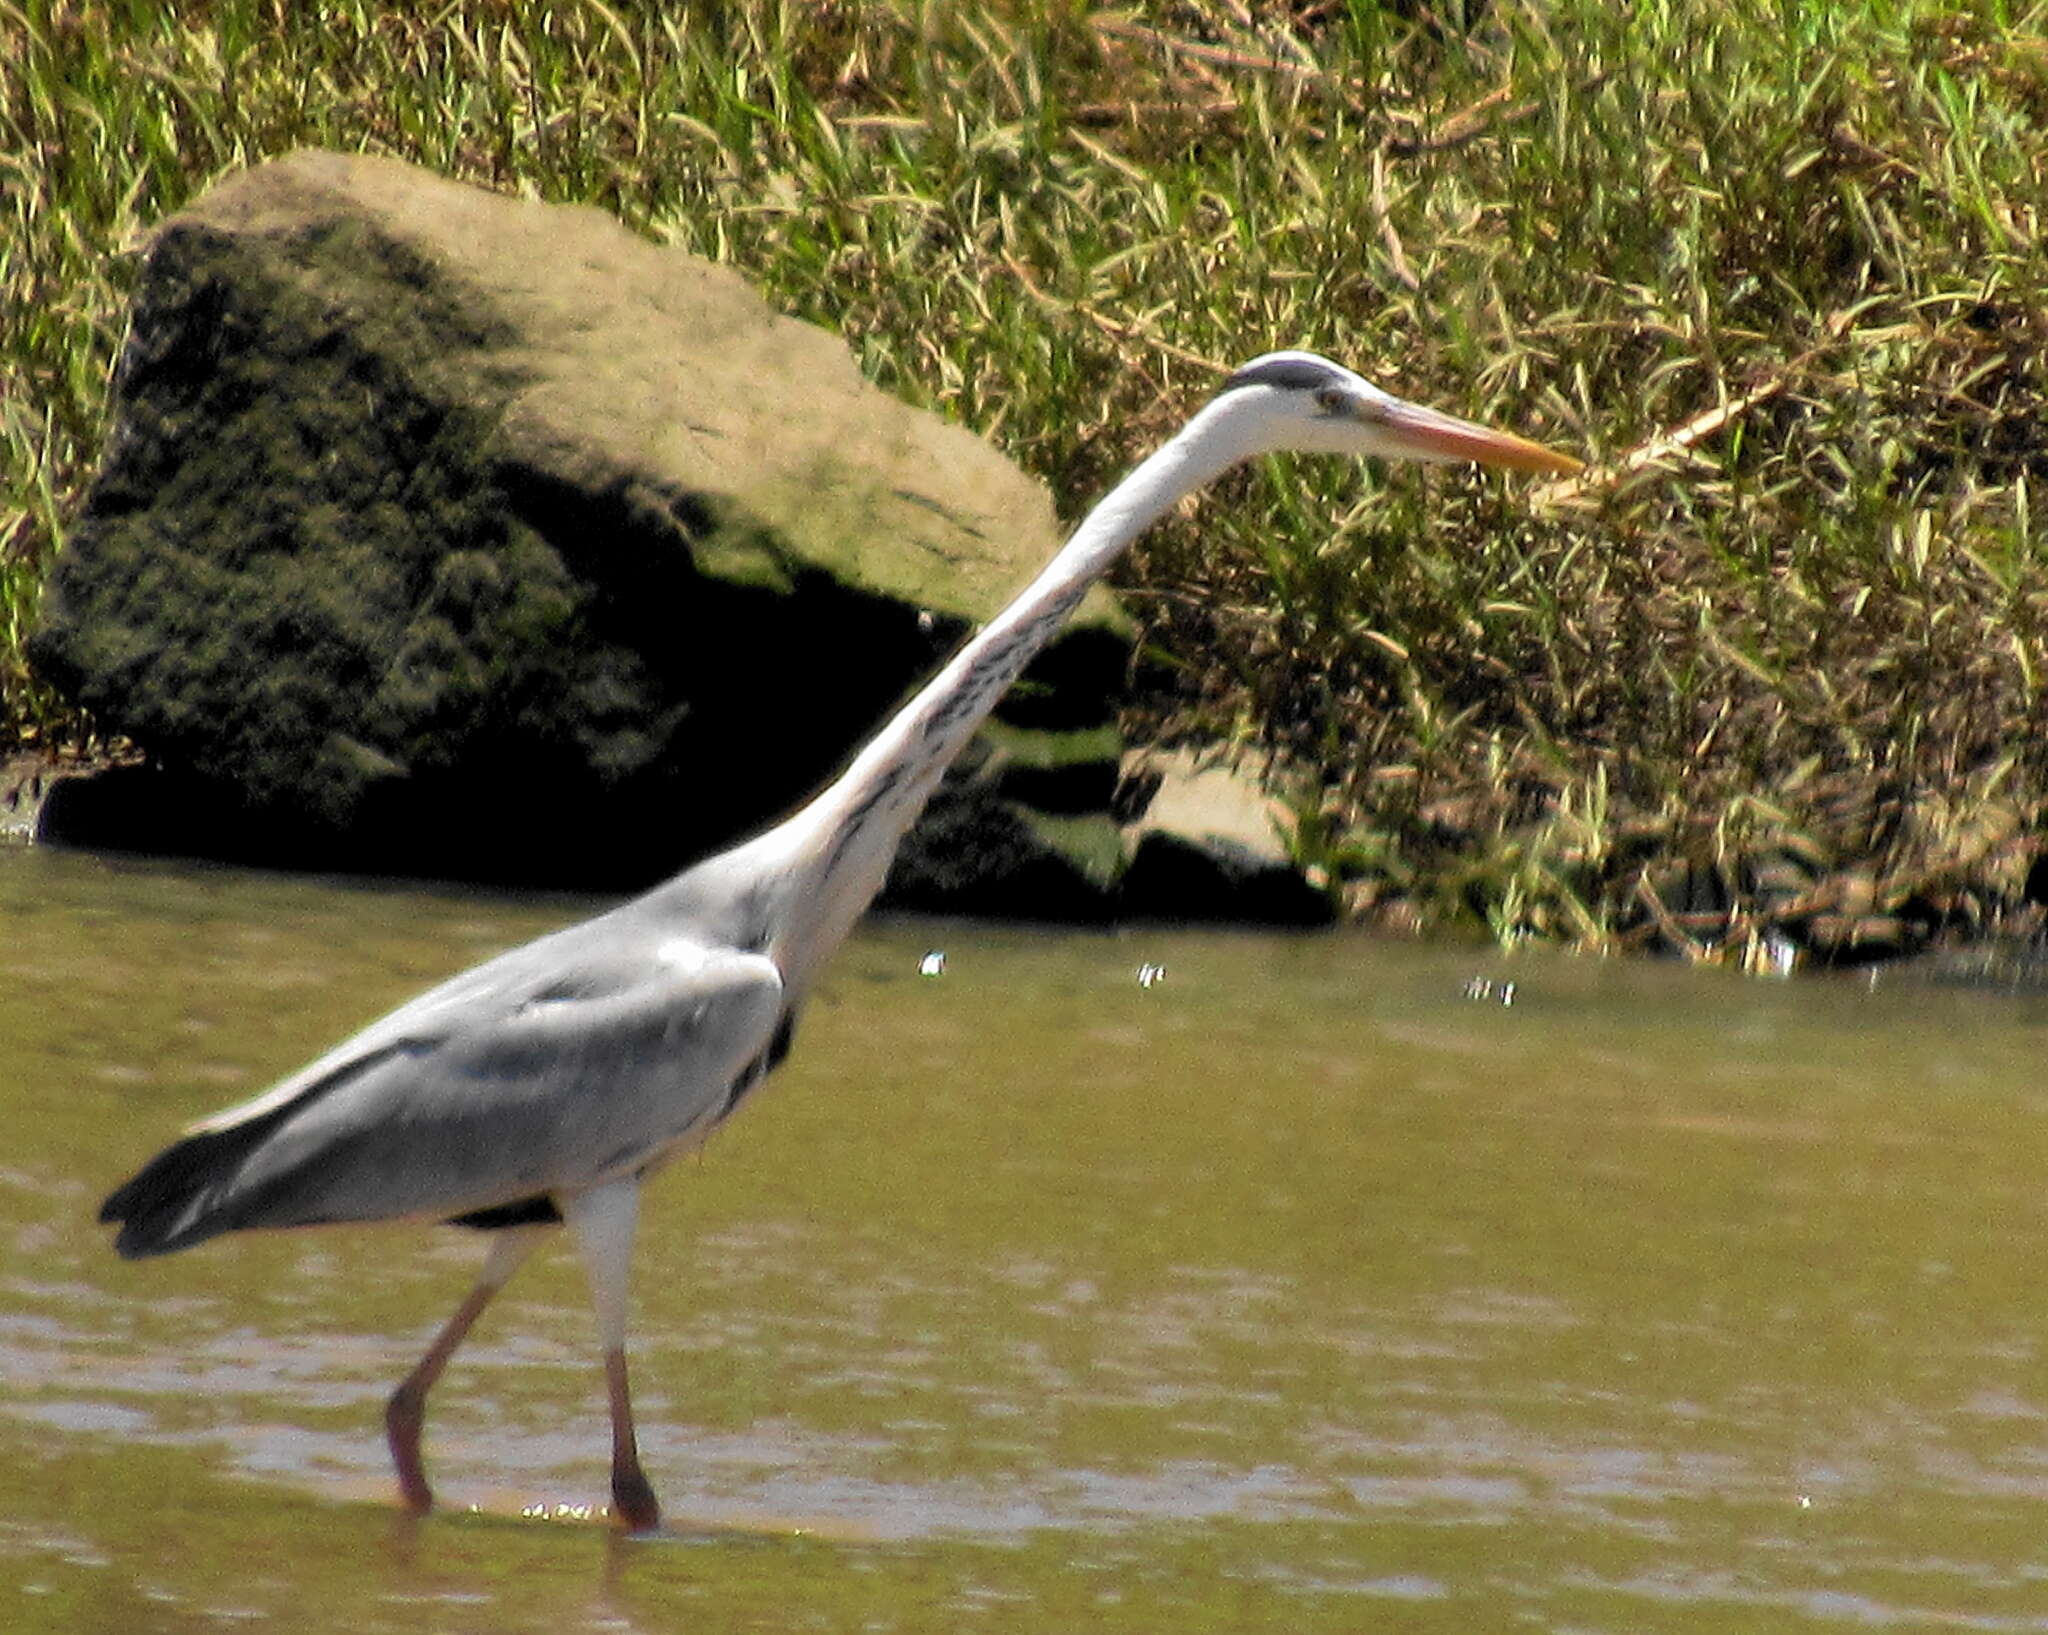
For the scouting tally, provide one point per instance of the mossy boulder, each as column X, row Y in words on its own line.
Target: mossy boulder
column 444, row 532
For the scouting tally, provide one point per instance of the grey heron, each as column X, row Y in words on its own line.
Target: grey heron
column 544, row 1086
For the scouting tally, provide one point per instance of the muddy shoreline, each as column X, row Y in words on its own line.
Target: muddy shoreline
column 2009, row 956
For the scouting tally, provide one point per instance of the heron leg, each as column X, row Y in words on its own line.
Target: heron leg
column 405, row 1414
column 603, row 1220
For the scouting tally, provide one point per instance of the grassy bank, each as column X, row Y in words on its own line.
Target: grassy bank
column 1779, row 267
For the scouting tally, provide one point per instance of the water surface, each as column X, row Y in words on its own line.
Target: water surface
column 1156, row 1280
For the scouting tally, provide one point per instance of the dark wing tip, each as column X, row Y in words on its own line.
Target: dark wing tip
column 147, row 1221
column 164, row 1205
column 186, row 1193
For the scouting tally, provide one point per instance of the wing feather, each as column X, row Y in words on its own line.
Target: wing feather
column 527, row 1076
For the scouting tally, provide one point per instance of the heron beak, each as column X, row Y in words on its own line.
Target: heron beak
column 1424, row 434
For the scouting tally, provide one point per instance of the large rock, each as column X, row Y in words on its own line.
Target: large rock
column 1209, row 833
column 443, row 532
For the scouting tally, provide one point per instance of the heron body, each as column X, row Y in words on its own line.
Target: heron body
column 544, row 1086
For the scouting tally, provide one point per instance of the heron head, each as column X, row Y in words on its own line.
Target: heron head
column 1300, row 401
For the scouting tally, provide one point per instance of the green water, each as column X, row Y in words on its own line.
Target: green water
column 1309, row 1286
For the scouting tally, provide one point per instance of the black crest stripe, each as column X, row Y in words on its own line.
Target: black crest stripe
column 1293, row 374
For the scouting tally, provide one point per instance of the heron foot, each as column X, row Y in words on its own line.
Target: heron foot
column 633, row 1501
column 404, row 1418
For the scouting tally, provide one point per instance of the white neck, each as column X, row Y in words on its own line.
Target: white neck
column 834, row 854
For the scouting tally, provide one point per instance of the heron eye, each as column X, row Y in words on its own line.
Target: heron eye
column 1333, row 400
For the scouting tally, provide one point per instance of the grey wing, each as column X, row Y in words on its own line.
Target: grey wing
column 438, row 1110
